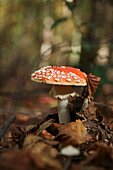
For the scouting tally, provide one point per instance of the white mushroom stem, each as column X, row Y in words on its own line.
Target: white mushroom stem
column 62, row 92
column 63, row 111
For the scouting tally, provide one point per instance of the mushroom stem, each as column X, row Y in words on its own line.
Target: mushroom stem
column 63, row 111
column 62, row 94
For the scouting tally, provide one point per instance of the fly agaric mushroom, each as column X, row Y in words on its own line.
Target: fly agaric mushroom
column 62, row 78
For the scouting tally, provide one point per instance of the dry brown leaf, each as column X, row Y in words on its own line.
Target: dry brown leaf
column 47, row 135
column 73, row 133
column 42, row 153
column 102, row 156
column 44, row 126
column 15, row 160
column 81, row 167
column 27, row 160
column 47, row 162
column 52, row 143
column 18, row 136
column 93, row 82
column 30, row 141
column 36, row 145
column 90, row 112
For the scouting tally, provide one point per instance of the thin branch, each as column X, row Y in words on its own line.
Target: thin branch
column 5, row 127
column 101, row 105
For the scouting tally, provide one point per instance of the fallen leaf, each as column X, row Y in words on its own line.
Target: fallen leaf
column 27, row 160
column 30, row 141
column 52, row 143
column 102, row 156
column 36, row 145
column 44, row 126
column 15, row 160
column 18, row 136
column 41, row 152
column 90, row 112
column 73, row 133
column 47, row 135
column 47, row 162
column 31, row 128
column 82, row 167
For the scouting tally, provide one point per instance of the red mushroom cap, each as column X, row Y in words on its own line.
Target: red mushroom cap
column 60, row 75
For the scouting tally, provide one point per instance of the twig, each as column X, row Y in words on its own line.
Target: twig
column 101, row 105
column 108, row 111
column 5, row 127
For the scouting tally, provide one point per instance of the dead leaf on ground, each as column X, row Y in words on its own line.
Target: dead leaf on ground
column 18, row 136
column 90, row 112
column 36, row 145
column 47, row 135
column 82, row 167
column 102, row 156
column 44, row 126
column 14, row 160
column 47, row 162
column 27, row 160
column 30, row 141
column 52, row 143
column 73, row 133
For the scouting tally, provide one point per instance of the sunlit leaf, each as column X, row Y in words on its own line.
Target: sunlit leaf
column 73, row 133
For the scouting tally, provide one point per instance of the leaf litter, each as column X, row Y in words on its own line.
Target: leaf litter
column 36, row 142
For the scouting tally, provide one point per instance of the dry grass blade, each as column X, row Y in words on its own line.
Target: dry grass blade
column 44, row 126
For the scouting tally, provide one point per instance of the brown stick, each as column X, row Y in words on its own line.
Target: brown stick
column 5, row 127
column 101, row 105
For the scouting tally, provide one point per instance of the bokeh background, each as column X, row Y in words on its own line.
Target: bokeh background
column 37, row 33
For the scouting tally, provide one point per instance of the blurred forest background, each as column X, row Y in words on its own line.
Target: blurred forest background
column 37, row 33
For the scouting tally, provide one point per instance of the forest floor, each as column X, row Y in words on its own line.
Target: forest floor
column 38, row 141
